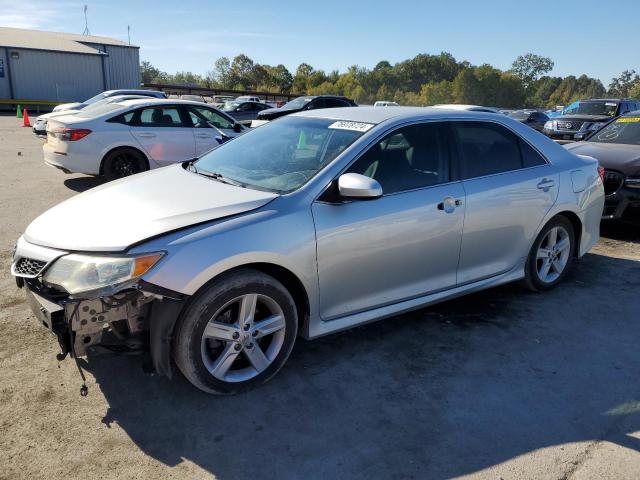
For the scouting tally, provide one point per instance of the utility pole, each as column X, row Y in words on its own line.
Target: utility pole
column 86, row 23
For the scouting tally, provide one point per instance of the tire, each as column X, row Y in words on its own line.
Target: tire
column 546, row 257
column 227, row 356
column 123, row 162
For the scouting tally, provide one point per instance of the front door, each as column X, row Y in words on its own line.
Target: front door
column 402, row 245
column 207, row 138
column 509, row 189
column 164, row 134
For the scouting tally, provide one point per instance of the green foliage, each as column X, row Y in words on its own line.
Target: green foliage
column 422, row 80
column 530, row 67
column 622, row 85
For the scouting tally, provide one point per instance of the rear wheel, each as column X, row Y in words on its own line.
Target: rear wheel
column 237, row 333
column 123, row 162
column 551, row 255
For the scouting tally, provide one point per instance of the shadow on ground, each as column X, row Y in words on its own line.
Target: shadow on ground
column 626, row 232
column 81, row 184
column 437, row 393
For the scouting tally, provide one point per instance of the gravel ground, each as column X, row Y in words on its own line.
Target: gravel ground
column 501, row 384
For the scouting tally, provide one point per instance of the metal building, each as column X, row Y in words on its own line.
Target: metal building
column 63, row 67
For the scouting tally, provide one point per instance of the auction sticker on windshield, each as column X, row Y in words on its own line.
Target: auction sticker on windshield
column 356, row 126
column 628, row 120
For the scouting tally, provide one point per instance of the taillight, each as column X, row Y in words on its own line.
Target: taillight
column 601, row 172
column 71, row 134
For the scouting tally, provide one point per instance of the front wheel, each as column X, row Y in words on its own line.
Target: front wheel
column 237, row 333
column 551, row 256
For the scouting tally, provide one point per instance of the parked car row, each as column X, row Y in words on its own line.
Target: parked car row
column 584, row 117
column 313, row 223
column 40, row 124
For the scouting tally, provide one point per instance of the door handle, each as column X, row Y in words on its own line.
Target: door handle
column 147, row 135
column 449, row 204
column 202, row 135
column 545, row 184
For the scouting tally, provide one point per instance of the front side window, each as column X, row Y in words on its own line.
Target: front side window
column 411, row 157
column 280, row 156
column 486, row 149
column 160, row 117
column 198, row 114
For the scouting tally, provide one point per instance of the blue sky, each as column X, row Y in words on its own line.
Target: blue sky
column 586, row 36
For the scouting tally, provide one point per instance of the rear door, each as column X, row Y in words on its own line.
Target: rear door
column 165, row 133
column 509, row 189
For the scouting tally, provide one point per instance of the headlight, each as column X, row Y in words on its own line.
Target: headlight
column 595, row 126
column 633, row 182
column 80, row 273
column 548, row 125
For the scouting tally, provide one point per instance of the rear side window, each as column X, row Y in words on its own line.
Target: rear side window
column 486, row 148
column 125, row 118
column 160, row 117
column 530, row 156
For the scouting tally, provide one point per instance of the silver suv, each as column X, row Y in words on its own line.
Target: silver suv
column 313, row 223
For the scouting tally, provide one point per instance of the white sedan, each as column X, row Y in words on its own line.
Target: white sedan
column 131, row 136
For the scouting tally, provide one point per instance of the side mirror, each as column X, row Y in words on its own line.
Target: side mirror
column 356, row 186
column 237, row 127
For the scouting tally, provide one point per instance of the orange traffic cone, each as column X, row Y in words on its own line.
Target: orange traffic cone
column 25, row 118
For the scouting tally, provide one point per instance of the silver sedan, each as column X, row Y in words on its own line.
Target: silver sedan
column 313, row 223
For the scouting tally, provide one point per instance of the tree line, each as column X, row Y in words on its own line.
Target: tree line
column 422, row 80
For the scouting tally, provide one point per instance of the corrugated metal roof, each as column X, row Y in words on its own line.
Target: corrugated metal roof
column 56, row 41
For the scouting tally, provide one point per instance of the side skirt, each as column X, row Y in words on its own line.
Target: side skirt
column 319, row 327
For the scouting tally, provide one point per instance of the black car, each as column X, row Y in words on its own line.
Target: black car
column 617, row 148
column 587, row 116
column 306, row 103
column 244, row 111
column 533, row 118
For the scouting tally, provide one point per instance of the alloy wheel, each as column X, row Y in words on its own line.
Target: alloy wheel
column 125, row 164
column 243, row 338
column 553, row 254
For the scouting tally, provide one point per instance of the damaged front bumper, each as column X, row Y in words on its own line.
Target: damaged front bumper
column 140, row 318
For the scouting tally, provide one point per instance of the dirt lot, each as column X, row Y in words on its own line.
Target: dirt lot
column 502, row 384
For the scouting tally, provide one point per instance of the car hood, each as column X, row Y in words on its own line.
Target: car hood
column 584, row 118
column 614, row 156
column 119, row 214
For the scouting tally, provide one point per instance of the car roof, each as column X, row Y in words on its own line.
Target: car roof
column 120, row 91
column 158, row 101
column 378, row 115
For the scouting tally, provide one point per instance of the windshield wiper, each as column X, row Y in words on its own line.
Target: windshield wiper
column 219, row 177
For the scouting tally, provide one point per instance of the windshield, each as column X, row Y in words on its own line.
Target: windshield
column 281, row 156
column 623, row 130
column 98, row 97
column 297, row 103
column 519, row 115
column 592, row 108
